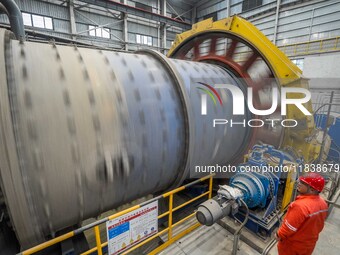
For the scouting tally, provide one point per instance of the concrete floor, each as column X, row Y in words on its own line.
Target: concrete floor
column 214, row 240
column 329, row 241
column 217, row 240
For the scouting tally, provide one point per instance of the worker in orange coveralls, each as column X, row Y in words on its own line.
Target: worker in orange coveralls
column 305, row 218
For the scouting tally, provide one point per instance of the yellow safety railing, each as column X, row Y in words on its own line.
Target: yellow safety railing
column 169, row 230
column 311, row 47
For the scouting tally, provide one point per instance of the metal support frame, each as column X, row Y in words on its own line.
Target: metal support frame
column 138, row 12
column 78, row 7
column 173, row 9
column 311, row 24
column 125, row 28
column 228, row 8
column 278, row 3
column 125, row 31
column 72, row 19
column 325, row 129
column 163, row 25
column 179, row 15
column 100, row 26
column 194, row 15
column 159, row 37
column 65, row 2
column 114, row 15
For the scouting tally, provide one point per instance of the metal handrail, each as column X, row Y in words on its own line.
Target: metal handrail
column 288, row 48
column 168, row 230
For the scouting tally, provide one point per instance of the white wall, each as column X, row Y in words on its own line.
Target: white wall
column 324, row 74
column 326, row 66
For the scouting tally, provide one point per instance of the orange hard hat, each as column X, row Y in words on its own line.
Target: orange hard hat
column 316, row 181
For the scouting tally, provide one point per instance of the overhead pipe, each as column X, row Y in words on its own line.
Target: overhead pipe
column 3, row 9
column 15, row 18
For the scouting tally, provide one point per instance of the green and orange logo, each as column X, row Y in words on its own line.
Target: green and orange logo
column 209, row 90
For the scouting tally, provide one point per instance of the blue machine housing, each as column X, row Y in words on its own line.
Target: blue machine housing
column 260, row 187
column 255, row 187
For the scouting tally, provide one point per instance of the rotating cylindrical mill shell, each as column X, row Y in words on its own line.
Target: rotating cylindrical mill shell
column 85, row 130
